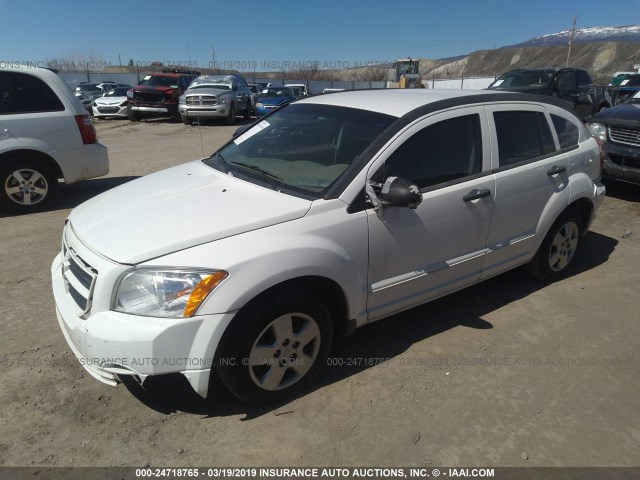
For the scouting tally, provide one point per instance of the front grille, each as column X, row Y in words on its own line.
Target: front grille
column 623, row 161
column 108, row 109
column 202, row 100
column 154, row 99
column 625, row 135
column 79, row 278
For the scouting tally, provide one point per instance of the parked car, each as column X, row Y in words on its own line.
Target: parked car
column 301, row 86
column 619, row 128
column 272, row 98
column 157, row 95
column 618, row 77
column 46, row 135
column 571, row 84
column 256, row 89
column 87, row 93
column 107, row 85
column 214, row 96
column 112, row 104
column 628, row 87
column 333, row 212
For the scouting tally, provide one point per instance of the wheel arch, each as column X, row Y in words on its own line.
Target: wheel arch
column 34, row 155
column 584, row 207
column 326, row 289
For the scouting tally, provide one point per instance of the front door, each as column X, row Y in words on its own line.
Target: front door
column 419, row 254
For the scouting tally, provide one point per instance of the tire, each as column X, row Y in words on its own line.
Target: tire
column 186, row 120
column 231, row 119
column 176, row 117
column 558, row 248
column 247, row 111
column 275, row 347
column 27, row 185
column 133, row 116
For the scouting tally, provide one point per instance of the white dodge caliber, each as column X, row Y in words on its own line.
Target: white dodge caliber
column 328, row 214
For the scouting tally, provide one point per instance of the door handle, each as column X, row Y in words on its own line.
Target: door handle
column 556, row 169
column 475, row 194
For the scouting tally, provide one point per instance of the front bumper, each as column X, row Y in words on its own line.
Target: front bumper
column 109, row 344
column 622, row 163
column 219, row 111
column 109, row 111
column 150, row 109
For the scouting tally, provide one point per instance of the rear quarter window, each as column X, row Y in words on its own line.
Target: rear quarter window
column 568, row 132
column 24, row 93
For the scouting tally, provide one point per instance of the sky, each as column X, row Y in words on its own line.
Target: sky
column 282, row 34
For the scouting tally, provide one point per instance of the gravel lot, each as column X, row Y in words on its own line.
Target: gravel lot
column 511, row 372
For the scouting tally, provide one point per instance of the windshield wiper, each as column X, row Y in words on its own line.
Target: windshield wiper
column 224, row 165
column 267, row 175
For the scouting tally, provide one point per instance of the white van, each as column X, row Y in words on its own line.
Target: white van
column 46, row 135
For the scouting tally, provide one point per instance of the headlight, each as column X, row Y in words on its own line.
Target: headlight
column 597, row 130
column 130, row 93
column 259, row 104
column 225, row 99
column 124, row 104
column 182, row 100
column 164, row 293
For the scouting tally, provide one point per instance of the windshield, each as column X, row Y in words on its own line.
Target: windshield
column 91, row 87
column 118, row 92
column 159, row 81
column 528, row 78
column 301, row 149
column 276, row 92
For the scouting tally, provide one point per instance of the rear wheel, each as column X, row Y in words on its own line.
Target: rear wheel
column 275, row 347
column 558, row 248
column 27, row 185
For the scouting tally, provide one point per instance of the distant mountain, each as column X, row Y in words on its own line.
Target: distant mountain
column 629, row 33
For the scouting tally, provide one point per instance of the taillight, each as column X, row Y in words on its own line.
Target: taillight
column 87, row 130
column 601, row 148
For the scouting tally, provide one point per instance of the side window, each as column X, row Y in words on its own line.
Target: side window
column 241, row 82
column 439, row 153
column 522, row 136
column 583, row 78
column 24, row 93
column 567, row 81
column 568, row 133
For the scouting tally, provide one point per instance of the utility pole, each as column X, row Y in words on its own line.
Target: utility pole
column 213, row 59
column 573, row 31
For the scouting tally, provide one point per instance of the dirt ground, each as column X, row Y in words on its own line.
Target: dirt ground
column 512, row 372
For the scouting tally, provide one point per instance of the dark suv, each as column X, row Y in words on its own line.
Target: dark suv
column 157, row 95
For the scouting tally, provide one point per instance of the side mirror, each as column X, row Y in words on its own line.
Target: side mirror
column 398, row 192
column 235, row 87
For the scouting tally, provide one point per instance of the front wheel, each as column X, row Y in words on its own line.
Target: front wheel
column 274, row 348
column 231, row 119
column 132, row 115
column 27, row 185
column 558, row 248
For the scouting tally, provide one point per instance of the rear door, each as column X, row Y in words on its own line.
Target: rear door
column 419, row 254
column 530, row 172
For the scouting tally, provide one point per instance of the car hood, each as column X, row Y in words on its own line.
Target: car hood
column 626, row 114
column 159, row 88
column 110, row 100
column 176, row 209
column 208, row 91
column 274, row 100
